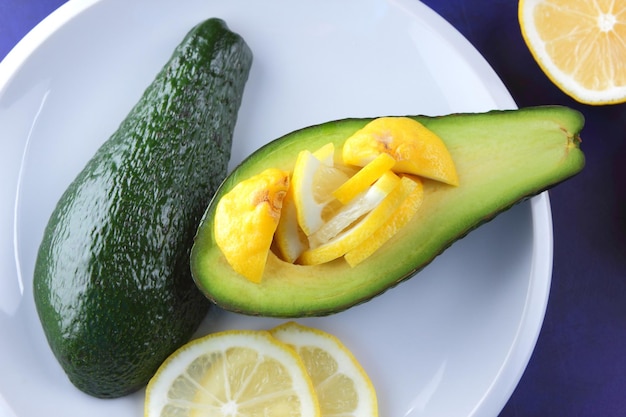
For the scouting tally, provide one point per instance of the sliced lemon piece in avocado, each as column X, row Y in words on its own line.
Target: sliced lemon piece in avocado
column 396, row 221
column 416, row 149
column 364, row 177
column 246, row 219
column 313, row 180
column 364, row 228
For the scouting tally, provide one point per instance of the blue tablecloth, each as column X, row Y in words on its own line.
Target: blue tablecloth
column 579, row 365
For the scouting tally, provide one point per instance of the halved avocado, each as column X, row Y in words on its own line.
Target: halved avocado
column 502, row 158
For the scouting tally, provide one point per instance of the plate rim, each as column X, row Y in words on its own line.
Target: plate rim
column 542, row 250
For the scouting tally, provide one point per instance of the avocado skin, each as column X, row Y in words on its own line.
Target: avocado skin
column 502, row 156
column 112, row 283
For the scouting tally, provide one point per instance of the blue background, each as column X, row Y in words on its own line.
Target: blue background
column 578, row 367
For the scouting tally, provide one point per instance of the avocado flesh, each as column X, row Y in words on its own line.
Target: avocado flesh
column 502, row 158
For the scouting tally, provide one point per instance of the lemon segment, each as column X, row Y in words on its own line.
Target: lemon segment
column 246, row 219
column 342, row 386
column 289, row 240
column 416, row 149
column 313, row 180
column 363, row 178
column 326, row 154
column 362, row 230
column 579, row 45
column 235, row 373
column 396, row 221
column 357, row 208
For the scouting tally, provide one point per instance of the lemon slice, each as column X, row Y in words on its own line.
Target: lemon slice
column 235, row 373
column 579, row 45
column 362, row 230
column 416, row 149
column 343, row 387
column 289, row 240
column 396, row 221
column 246, row 218
column 314, row 179
column 358, row 207
column 364, row 177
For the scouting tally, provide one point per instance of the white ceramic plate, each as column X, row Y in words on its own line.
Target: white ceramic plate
column 452, row 341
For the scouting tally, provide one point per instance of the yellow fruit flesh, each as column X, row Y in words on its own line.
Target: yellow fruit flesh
column 342, row 386
column 398, row 219
column 579, row 45
column 354, row 236
column 358, row 207
column 364, row 178
column 289, row 240
column 594, row 36
column 232, row 374
column 290, row 370
column 328, row 210
column 313, row 180
column 416, row 149
column 246, row 219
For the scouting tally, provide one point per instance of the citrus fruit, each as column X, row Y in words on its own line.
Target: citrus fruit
column 363, row 178
column 357, row 208
column 362, row 230
column 342, row 386
column 331, row 204
column 416, row 149
column 289, row 240
column 396, row 221
column 233, row 373
column 579, row 45
column 314, row 179
column 246, row 219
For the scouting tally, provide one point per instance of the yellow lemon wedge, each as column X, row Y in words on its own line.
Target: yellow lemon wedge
column 246, row 219
column 416, row 149
column 314, row 179
column 364, row 177
column 342, row 386
column 357, row 208
column 396, row 221
column 289, row 240
column 234, row 373
column 580, row 45
column 362, row 230
column 329, row 206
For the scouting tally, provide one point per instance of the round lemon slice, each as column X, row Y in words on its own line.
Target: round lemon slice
column 416, row 149
column 232, row 374
column 343, row 387
column 579, row 45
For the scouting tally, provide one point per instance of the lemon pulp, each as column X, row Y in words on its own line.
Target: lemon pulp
column 579, row 45
column 246, row 219
column 332, row 206
column 235, row 373
column 342, row 386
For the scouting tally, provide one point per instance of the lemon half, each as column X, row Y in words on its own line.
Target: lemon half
column 579, row 45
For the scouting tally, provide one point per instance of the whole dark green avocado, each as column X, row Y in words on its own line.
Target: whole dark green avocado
column 112, row 282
